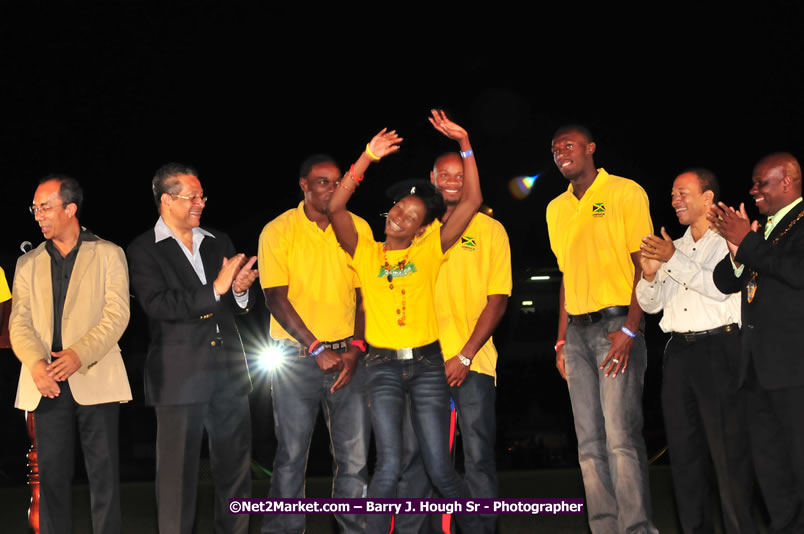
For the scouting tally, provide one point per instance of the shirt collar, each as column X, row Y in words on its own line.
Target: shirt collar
column 601, row 178
column 688, row 235
column 162, row 231
column 83, row 235
column 311, row 225
column 779, row 215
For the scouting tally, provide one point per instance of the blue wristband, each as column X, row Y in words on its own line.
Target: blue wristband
column 628, row 332
column 467, row 153
column 318, row 350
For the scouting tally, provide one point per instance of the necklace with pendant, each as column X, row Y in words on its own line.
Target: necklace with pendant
column 401, row 311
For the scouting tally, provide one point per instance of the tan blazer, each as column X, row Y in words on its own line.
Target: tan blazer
column 96, row 312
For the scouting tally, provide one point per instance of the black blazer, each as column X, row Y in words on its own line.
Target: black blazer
column 773, row 323
column 187, row 362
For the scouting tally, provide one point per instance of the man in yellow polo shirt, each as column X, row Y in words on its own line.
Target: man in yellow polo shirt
column 596, row 228
column 316, row 318
column 471, row 295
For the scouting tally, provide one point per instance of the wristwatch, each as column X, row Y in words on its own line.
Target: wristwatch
column 464, row 360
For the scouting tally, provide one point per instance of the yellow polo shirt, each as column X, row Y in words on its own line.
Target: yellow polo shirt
column 593, row 238
column 295, row 252
column 479, row 265
column 5, row 293
column 381, row 303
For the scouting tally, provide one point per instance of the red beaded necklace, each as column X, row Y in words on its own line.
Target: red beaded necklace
column 401, row 312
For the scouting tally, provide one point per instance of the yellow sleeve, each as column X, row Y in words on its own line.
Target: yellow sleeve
column 363, row 230
column 637, row 216
column 272, row 254
column 499, row 279
column 5, row 292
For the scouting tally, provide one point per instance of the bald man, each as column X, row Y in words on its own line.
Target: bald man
column 767, row 266
column 472, row 293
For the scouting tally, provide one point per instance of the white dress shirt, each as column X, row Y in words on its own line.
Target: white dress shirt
column 684, row 287
column 163, row 231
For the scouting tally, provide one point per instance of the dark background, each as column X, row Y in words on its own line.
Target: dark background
column 245, row 90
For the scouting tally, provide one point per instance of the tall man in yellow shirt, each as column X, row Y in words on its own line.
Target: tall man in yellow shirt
column 316, row 318
column 596, row 228
column 472, row 292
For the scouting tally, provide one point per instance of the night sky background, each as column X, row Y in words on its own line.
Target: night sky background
column 244, row 91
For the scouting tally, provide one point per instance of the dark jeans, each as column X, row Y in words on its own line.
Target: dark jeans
column 475, row 404
column 608, row 423
column 56, row 421
column 298, row 389
column 705, row 414
column 423, row 380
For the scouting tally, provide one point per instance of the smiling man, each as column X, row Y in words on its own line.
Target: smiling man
column 472, row 291
column 596, row 228
column 190, row 283
column 704, row 412
column 317, row 320
column 70, row 306
column 767, row 268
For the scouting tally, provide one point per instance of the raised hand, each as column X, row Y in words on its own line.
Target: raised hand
column 441, row 123
column 229, row 270
column 656, row 248
column 732, row 225
column 384, row 143
column 649, row 267
column 245, row 277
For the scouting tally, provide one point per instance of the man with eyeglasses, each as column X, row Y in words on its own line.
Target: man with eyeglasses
column 317, row 321
column 70, row 306
column 191, row 283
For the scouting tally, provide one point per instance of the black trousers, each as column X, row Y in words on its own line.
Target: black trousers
column 56, row 421
column 179, row 432
column 704, row 415
column 776, row 425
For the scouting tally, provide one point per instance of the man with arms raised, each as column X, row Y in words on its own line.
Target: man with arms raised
column 704, row 413
column 70, row 306
column 767, row 267
column 472, row 292
column 596, row 228
column 317, row 321
column 191, row 284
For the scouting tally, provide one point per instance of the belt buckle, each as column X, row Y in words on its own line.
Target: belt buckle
column 404, row 354
column 689, row 337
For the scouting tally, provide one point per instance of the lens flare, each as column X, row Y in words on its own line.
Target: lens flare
column 269, row 358
column 521, row 186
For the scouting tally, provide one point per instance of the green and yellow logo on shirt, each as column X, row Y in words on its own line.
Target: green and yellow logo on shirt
column 598, row 209
column 468, row 242
column 396, row 272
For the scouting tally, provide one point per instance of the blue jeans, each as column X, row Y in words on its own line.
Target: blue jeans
column 608, row 423
column 475, row 403
column 298, row 388
column 423, row 380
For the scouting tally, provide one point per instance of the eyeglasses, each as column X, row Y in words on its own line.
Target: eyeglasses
column 194, row 198
column 44, row 208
